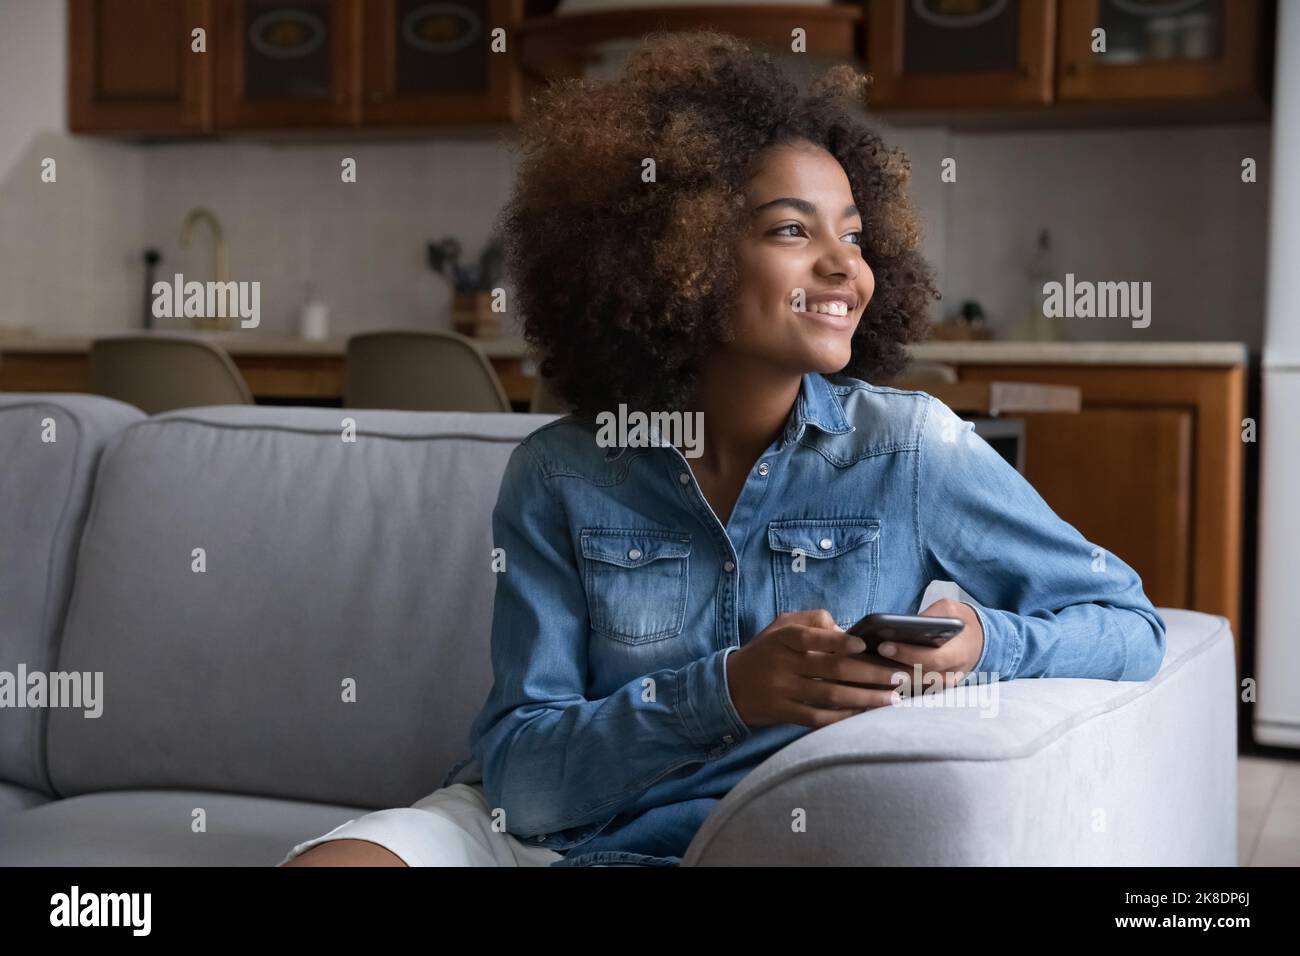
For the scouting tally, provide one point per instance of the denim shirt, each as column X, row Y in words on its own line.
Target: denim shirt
column 610, row 729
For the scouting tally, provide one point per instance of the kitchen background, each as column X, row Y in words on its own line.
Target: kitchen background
column 1163, row 204
column 1147, row 452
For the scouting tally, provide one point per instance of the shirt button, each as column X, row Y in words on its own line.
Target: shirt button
column 634, row 554
column 729, row 566
column 684, row 478
column 826, row 544
column 763, row 469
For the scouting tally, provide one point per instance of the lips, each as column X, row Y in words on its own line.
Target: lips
column 840, row 323
column 841, row 319
column 848, row 296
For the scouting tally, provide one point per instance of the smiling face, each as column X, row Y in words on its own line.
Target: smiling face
column 805, row 233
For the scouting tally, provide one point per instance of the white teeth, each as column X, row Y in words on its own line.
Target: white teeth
column 830, row 308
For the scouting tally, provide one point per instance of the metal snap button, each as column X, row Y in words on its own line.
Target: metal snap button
column 763, row 469
column 728, row 739
column 729, row 566
column 684, row 478
column 826, row 544
column 635, row 554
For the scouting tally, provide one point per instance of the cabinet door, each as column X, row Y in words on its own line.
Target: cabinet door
column 948, row 53
column 1123, row 478
column 432, row 63
column 287, row 63
column 131, row 67
column 1159, row 49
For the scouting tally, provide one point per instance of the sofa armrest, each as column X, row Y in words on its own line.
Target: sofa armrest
column 1026, row 773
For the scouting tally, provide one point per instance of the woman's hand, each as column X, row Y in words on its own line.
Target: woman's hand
column 789, row 674
column 956, row 658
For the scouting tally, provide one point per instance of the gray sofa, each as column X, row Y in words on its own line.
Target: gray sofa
column 226, row 734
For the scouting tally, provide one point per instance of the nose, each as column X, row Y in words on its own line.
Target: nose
column 840, row 260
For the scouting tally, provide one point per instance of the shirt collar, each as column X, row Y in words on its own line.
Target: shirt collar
column 817, row 405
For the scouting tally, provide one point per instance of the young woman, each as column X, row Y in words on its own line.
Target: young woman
column 700, row 238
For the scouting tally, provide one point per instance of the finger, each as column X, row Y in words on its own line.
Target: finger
column 876, row 659
column 806, row 716
column 853, row 669
column 817, row 617
column 885, row 687
column 801, row 637
column 930, row 658
column 945, row 607
column 821, row 693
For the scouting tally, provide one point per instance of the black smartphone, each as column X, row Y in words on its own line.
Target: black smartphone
column 917, row 629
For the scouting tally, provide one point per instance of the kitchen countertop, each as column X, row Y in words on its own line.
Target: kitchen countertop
column 963, row 353
column 1082, row 353
column 241, row 343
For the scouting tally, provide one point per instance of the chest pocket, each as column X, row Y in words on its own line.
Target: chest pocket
column 831, row 563
column 636, row 582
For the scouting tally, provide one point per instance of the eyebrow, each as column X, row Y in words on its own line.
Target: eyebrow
column 804, row 206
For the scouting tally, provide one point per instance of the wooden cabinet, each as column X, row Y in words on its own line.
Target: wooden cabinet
column 1151, row 469
column 290, row 64
column 131, row 68
column 925, row 53
column 1143, row 514
column 999, row 53
column 434, row 63
column 287, row 63
column 1158, row 49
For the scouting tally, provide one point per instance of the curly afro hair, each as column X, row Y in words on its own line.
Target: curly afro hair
column 621, row 282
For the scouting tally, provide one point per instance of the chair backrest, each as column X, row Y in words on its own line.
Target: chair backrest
column 161, row 371
column 925, row 373
column 433, row 371
column 545, row 401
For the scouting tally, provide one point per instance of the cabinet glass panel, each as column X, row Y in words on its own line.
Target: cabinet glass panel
column 1147, row 31
column 961, row 36
column 287, row 49
column 441, row 47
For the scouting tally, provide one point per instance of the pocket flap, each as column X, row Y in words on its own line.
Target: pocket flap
column 821, row 538
column 630, row 548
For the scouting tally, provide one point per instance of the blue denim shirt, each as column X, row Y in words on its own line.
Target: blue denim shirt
column 609, row 734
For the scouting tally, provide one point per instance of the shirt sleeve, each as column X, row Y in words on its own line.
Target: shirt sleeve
column 551, row 758
column 1052, row 603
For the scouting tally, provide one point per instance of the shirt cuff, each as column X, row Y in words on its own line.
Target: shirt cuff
column 705, row 706
column 995, row 661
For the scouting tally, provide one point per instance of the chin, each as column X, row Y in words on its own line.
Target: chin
column 829, row 361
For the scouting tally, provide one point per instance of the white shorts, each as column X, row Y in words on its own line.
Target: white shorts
column 450, row 827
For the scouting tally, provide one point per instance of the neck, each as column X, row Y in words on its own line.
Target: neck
column 745, row 408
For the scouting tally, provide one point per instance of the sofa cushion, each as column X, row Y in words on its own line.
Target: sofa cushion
column 160, row 828
column 14, row 799
column 330, row 640
column 45, row 489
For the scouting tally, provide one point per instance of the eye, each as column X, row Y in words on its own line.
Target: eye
column 780, row 231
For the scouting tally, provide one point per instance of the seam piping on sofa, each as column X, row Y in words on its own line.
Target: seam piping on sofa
column 295, row 430
column 56, row 641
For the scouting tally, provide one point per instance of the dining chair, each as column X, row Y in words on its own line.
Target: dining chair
column 545, row 401
column 162, row 370
column 922, row 373
column 433, row 371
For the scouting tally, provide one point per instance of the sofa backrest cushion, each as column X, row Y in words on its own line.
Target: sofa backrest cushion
column 279, row 611
column 50, row 445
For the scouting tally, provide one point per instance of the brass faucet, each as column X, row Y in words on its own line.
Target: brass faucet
column 221, row 255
